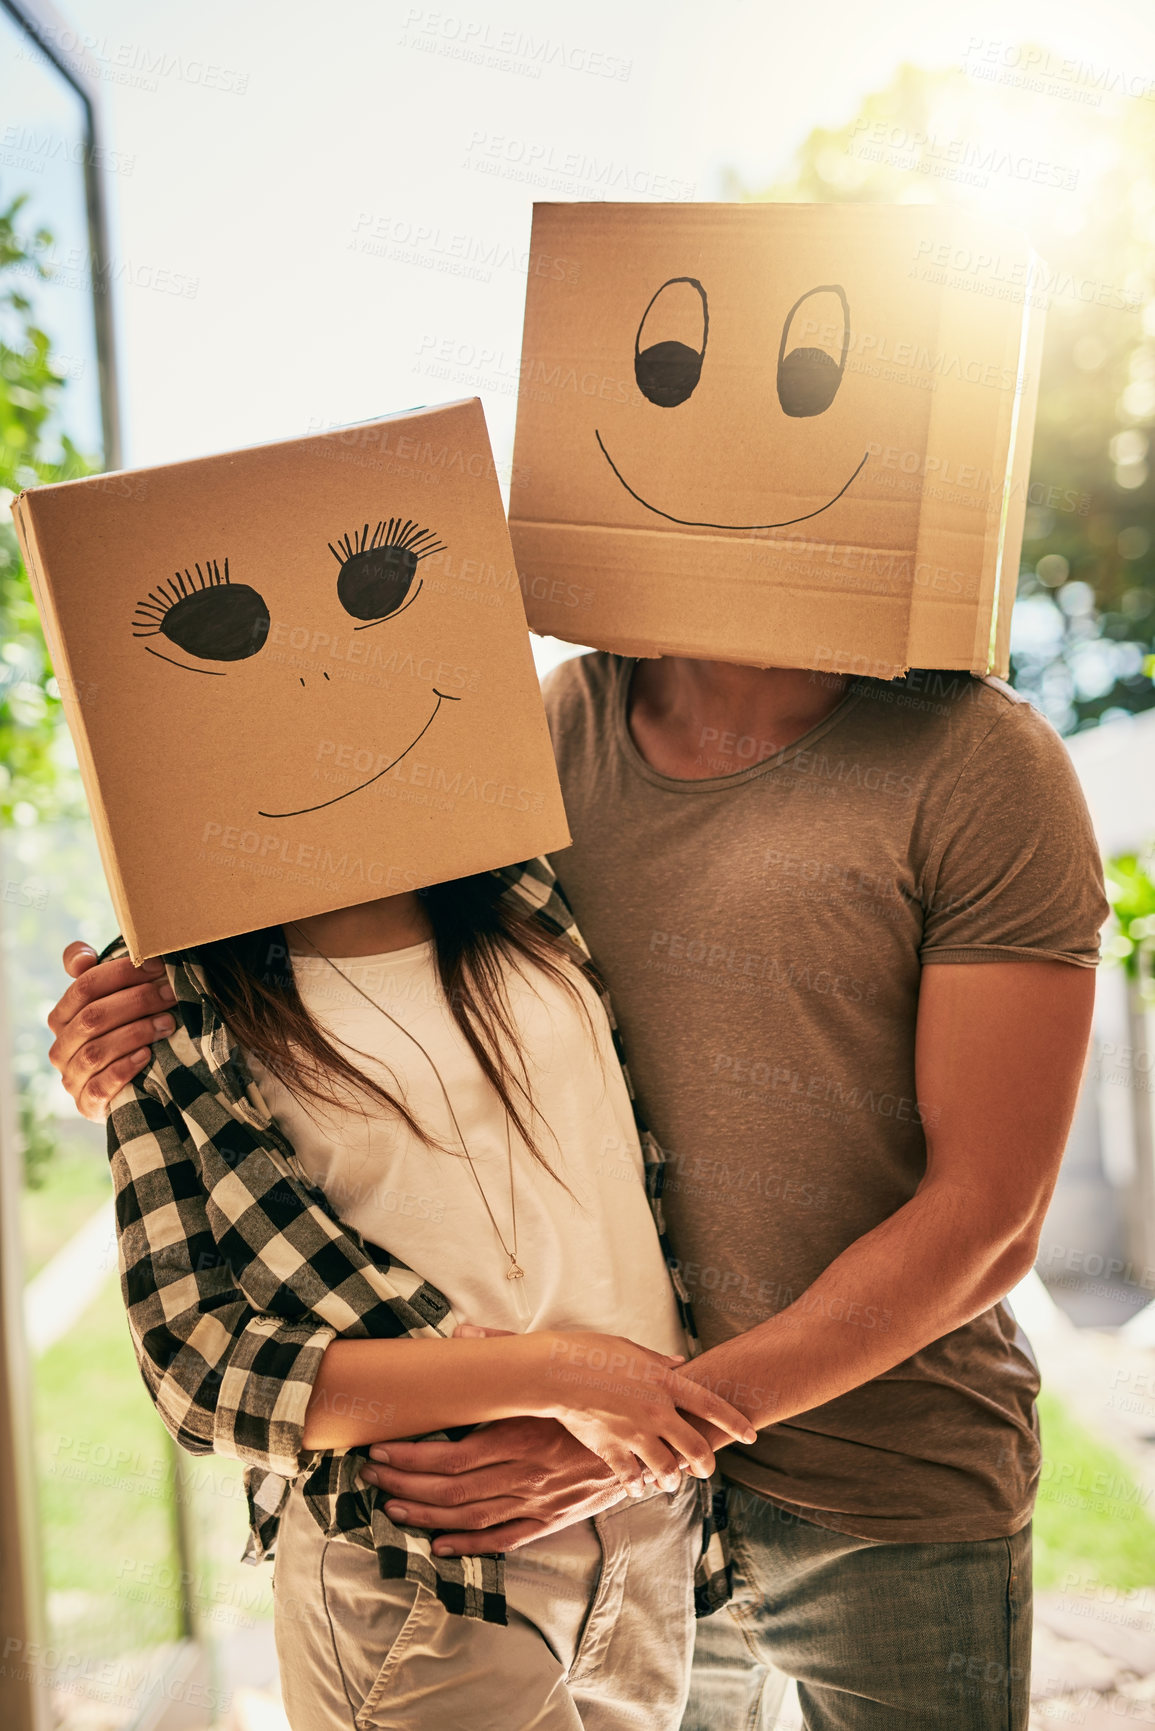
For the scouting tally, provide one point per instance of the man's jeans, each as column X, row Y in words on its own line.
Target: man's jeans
column 881, row 1637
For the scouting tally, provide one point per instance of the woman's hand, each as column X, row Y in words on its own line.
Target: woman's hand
column 619, row 1400
column 625, row 1404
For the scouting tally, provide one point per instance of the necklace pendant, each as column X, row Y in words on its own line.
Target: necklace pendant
column 514, row 1271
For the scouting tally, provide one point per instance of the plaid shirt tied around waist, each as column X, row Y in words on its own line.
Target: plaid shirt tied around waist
column 237, row 1272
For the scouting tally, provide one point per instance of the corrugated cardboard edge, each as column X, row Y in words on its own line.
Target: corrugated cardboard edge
column 23, row 518
column 1004, row 582
column 465, row 867
column 335, row 433
column 963, row 329
column 609, row 552
column 1022, row 437
column 995, row 539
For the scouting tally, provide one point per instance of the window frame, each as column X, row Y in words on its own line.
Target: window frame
column 24, row 1703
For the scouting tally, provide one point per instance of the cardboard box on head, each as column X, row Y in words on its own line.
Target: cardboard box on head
column 298, row 676
column 784, row 435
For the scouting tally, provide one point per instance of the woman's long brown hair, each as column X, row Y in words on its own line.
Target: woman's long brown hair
column 475, row 933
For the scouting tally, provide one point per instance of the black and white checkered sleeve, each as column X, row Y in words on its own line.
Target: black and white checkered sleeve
column 225, row 1377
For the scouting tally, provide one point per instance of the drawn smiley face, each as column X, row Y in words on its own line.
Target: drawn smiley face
column 669, row 369
column 202, row 616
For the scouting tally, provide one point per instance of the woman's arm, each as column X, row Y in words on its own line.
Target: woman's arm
column 228, row 1376
column 621, row 1400
column 376, row 1390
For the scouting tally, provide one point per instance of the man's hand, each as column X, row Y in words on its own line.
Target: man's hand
column 497, row 1488
column 510, row 1482
column 104, row 1024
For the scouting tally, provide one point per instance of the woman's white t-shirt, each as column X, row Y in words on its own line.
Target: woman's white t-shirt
column 591, row 1258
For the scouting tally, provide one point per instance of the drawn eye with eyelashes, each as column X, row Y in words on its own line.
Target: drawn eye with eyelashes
column 206, row 615
column 376, row 573
column 203, row 613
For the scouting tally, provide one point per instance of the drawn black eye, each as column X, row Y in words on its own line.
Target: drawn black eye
column 206, row 615
column 809, row 375
column 377, row 571
column 668, row 369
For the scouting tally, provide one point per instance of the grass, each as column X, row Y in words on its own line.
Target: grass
column 76, row 1182
column 106, row 1503
column 230, row 1595
column 1092, row 1520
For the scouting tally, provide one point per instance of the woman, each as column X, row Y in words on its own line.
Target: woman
column 366, row 1129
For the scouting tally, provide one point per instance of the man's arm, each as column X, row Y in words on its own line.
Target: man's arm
column 999, row 1055
column 104, row 1024
column 998, row 1060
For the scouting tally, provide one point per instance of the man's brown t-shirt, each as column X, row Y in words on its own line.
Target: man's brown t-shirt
column 762, row 935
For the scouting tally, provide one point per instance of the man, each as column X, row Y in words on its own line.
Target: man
column 849, row 928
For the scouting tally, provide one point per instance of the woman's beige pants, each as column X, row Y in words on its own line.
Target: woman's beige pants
column 600, row 1632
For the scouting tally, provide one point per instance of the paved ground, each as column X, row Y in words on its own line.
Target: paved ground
column 66, row 1286
column 1094, row 1658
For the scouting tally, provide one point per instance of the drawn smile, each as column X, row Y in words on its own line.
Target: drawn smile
column 692, row 523
column 302, row 811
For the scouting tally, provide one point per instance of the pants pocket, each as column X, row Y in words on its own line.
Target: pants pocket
column 409, row 1630
column 368, row 1622
column 450, row 1673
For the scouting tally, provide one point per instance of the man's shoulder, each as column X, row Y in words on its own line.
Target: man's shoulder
column 954, row 711
column 576, row 692
column 975, row 746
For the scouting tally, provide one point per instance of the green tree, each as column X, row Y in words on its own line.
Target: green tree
column 1062, row 151
column 38, row 777
column 1131, row 891
column 37, row 774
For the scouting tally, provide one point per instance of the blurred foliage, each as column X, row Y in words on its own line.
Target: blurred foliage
column 52, row 889
column 37, row 768
column 1073, row 163
column 113, row 1585
column 1131, row 892
column 1091, row 1521
column 38, row 1140
column 38, row 776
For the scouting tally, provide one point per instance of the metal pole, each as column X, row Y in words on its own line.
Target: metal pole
column 66, row 51
column 23, row 1691
column 182, row 1539
column 1140, row 1223
column 23, row 1694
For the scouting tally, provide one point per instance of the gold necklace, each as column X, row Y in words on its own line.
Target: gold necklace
column 515, row 1271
